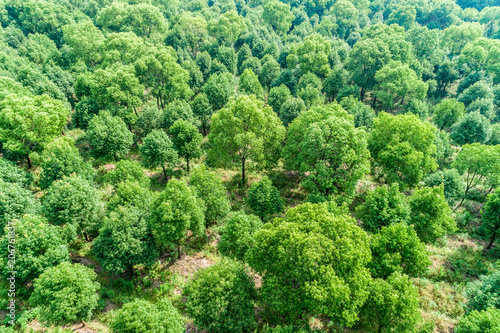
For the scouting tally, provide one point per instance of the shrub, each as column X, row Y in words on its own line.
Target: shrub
column 264, row 198
column 237, row 234
column 487, row 321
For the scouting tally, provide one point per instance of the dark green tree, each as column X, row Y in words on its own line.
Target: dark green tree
column 157, row 150
column 187, row 140
column 264, row 198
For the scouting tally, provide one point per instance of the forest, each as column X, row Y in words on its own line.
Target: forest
column 237, row 166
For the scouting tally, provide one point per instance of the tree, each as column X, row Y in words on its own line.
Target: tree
column 313, row 55
column 187, row 140
column 127, row 170
column 228, row 28
column 157, row 150
column 65, row 293
column 29, row 123
column 382, row 207
column 291, row 109
column 230, row 305
column 324, row 143
column 264, row 198
column 472, row 128
column 10, row 173
column 85, row 40
column 39, row 246
column 278, row 96
column 278, row 15
column 75, row 203
column 244, row 53
column 175, row 110
column 238, row 235
column 108, row 136
column 151, row 118
column 141, row 316
column 363, row 114
column 190, row 30
column 478, row 90
column 227, row 56
column 145, row 20
column 312, row 247
column 210, row 189
column 486, row 321
column 403, row 147
column 347, row 17
column 219, row 88
column 124, row 240
column 202, row 110
column 397, row 248
column 61, row 158
column 85, row 110
column 478, row 162
column 131, row 194
column 175, row 211
column 483, row 293
column 269, row 72
column 249, row 84
column 159, row 71
column 397, row 81
column 454, row 185
column 245, row 130
column 430, row 214
column 15, row 201
column 491, row 217
column 393, row 305
column 448, row 112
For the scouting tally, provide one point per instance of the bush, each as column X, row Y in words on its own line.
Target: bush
column 141, row 316
column 398, row 248
column 264, row 198
column 220, row 298
column 484, row 293
column 487, row 321
column 124, row 240
column 237, row 234
column 382, row 207
column 65, row 293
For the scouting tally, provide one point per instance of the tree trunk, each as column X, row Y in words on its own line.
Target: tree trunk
column 130, row 128
column 374, row 101
column 86, row 237
column 63, row 132
column 187, row 163
column 204, row 129
column 362, row 93
column 243, row 172
column 178, row 251
column 135, row 111
column 164, row 172
column 492, row 239
column 29, row 162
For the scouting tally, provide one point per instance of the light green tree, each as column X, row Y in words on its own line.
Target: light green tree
column 158, row 150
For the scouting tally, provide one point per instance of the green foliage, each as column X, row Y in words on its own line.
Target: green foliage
column 65, row 293
column 478, row 90
column 157, row 150
column 229, row 26
column 487, row 321
column 176, row 110
column 210, row 189
column 312, row 247
column 149, row 119
column 397, row 248
column 187, row 140
column 264, row 198
column 403, row 147
column 10, row 173
column 491, row 217
column 176, row 211
column 291, row 109
column 448, row 112
column 27, row 122
column 108, row 136
column 127, row 170
column 131, row 194
column 382, row 207
column 74, row 202
column 228, row 58
column 202, row 110
column 430, row 214
column 141, row 316
column 363, row 114
column 278, row 96
column 392, row 306
column 313, row 55
column 85, row 110
column 269, row 72
column 219, row 88
column 38, row 246
column 238, row 234
column 15, row 201
column 278, row 15
column 249, row 84
column 454, row 185
column 245, row 130
column 61, row 158
column 484, row 293
column 324, row 143
column 124, row 240
column 473, row 127
column 229, row 308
